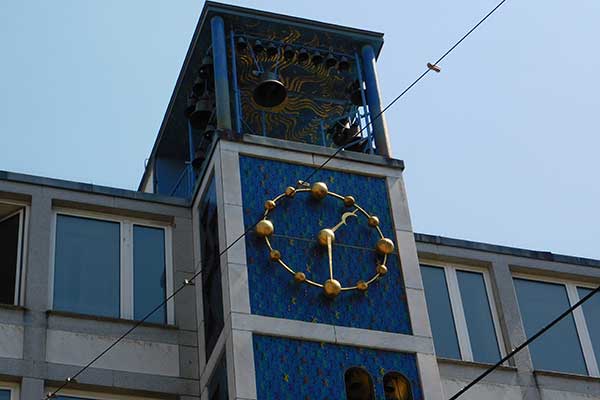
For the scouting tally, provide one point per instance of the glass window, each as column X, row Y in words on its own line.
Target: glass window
column 10, row 255
column 591, row 311
column 212, row 295
column 440, row 312
column 87, row 266
column 359, row 384
column 4, row 394
column 478, row 316
column 558, row 349
column 149, row 273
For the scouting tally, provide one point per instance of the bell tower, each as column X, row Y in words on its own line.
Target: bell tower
column 310, row 284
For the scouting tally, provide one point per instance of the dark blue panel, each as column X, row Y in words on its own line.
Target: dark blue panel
column 440, row 312
column 86, row 267
column 297, row 222
column 4, row 394
column 169, row 179
column 591, row 310
column 479, row 317
column 288, row 369
column 149, row 273
column 558, row 349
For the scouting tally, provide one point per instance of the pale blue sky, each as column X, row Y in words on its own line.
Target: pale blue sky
column 501, row 147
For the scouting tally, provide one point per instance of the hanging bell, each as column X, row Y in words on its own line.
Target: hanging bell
column 272, row 50
column 258, row 47
column 241, row 44
column 269, row 92
column 355, row 93
column 303, row 56
column 202, row 112
column 206, row 67
column 343, row 64
column 316, row 58
column 190, row 105
column 199, row 87
column 344, row 132
column 289, row 53
column 330, row 60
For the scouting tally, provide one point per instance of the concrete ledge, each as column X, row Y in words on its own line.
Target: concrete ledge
column 505, row 250
column 331, row 334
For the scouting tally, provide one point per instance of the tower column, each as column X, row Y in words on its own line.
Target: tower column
column 219, row 52
column 382, row 140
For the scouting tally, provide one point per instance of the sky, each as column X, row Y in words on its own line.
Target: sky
column 502, row 146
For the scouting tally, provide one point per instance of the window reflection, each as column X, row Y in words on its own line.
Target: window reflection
column 359, row 385
column 396, row 387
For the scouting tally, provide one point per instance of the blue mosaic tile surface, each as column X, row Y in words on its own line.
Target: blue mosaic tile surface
column 297, row 221
column 299, row 370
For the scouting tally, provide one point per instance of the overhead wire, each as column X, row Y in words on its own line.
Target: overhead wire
column 187, row 282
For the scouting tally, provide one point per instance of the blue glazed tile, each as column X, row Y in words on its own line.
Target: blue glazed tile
column 297, row 221
column 299, row 370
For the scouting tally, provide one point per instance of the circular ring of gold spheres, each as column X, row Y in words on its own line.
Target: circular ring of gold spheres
column 319, row 190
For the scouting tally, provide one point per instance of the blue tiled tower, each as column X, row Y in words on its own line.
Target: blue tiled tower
column 322, row 298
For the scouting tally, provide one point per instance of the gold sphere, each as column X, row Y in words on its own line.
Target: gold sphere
column 332, row 288
column 382, row 269
column 299, row 277
column 324, row 234
column 362, row 286
column 290, row 191
column 373, row 221
column 349, row 201
column 319, row 190
column 275, row 255
column 269, row 205
column 385, row 246
column 264, row 228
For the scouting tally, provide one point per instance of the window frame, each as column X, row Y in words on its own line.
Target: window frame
column 126, row 265
column 83, row 394
column 23, row 245
column 583, row 334
column 458, row 312
column 13, row 387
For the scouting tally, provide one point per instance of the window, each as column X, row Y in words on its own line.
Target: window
column 212, row 293
column 359, row 385
column 217, row 386
column 9, row 391
column 572, row 344
column 462, row 313
column 110, row 267
column 71, row 394
column 396, row 387
column 12, row 226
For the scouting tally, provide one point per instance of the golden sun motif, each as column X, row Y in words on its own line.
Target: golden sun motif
column 326, row 237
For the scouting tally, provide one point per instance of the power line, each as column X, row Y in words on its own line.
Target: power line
column 525, row 344
column 331, row 157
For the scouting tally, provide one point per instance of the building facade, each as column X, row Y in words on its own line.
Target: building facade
column 265, row 264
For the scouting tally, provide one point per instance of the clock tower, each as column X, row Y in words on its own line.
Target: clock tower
column 310, row 284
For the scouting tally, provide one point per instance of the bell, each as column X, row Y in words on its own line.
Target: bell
column 199, row 87
column 303, row 56
column 316, row 58
column 206, row 67
column 343, row 64
column 355, row 93
column 202, row 112
column 258, row 46
column 269, row 92
column 344, row 132
column 190, row 106
column 288, row 52
column 330, row 60
column 272, row 50
column 241, row 44
column 199, row 157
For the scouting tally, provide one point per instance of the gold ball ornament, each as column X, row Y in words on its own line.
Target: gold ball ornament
column 332, row 288
column 349, row 201
column 290, row 191
column 373, row 221
column 264, row 228
column 385, row 246
column 275, row 255
column 325, row 234
column 269, row 205
column 382, row 269
column 299, row 277
column 319, row 190
column 362, row 286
